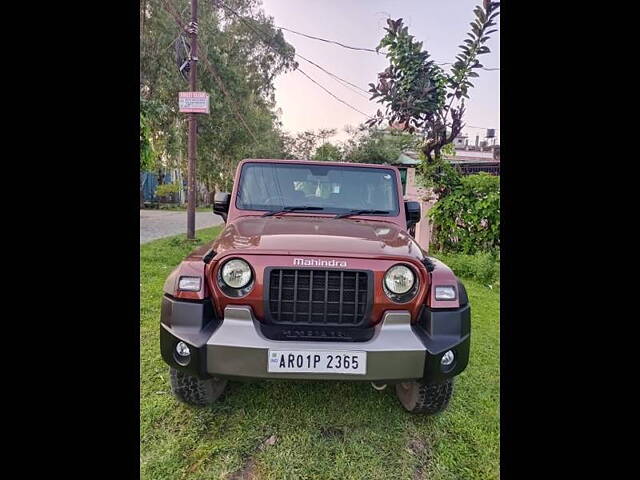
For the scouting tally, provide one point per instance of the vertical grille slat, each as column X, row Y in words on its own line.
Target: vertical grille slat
column 357, row 294
column 295, row 293
column 326, row 294
column 310, row 296
column 341, row 297
column 317, row 297
column 280, row 295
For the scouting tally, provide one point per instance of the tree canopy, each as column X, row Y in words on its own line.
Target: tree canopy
column 238, row 52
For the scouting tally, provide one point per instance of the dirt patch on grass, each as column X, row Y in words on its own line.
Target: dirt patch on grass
column 420, row 449
column 332, row 433
column 249, row 470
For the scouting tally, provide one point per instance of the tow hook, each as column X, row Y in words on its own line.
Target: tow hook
column 378, row 386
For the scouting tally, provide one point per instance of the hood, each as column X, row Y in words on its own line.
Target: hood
column 318, row 236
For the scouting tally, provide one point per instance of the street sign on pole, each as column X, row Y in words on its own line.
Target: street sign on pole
column 193, row 102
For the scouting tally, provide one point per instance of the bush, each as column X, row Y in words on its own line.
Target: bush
column 167, row 189
column 483, row 267
column 468, row 219
column 439, row 176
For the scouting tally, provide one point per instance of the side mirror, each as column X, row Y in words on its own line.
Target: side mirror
column 413, row 213
column 221, row 203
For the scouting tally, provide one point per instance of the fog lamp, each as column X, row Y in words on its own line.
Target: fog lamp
column 447, row 359
column 182, row 349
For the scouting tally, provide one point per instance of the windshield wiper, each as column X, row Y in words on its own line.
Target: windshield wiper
column 360, row 212
column 290, row 209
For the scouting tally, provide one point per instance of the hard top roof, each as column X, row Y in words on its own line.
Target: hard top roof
column 316, row 162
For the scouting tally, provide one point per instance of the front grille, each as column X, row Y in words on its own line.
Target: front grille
column 317, row 297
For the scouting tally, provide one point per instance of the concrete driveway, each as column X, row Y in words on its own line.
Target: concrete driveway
column 162, row 223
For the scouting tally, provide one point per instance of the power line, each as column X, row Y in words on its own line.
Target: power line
column 268, row 43
column 333, row 75
column 326, row 90
column 330, row 41
column 362, row 49
column 262, row 34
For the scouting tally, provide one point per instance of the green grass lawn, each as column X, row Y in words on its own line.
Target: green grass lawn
column 317, row 430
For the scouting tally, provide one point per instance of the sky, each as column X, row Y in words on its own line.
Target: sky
column 441, row 24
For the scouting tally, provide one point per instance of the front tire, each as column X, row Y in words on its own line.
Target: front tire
column 427, row 398
column 194, row 391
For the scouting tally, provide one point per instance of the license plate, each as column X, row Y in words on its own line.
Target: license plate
column 303, row 361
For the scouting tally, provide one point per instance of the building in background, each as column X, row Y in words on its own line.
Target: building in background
column 468, row 160
column 149, row 182
column 461, row 141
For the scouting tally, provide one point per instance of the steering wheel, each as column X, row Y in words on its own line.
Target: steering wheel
column 268, row 200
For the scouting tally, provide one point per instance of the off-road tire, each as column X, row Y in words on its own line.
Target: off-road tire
column 427, row 398
column 194, row 391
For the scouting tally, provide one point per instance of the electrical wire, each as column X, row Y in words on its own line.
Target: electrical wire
column 330, row 41
column 331, row 74
column 327, row 90
column 362, row 49
column 262, row 35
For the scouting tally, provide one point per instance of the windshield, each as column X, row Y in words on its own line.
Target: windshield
column 336, row 189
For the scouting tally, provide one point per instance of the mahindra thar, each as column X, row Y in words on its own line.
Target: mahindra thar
column 315, row 276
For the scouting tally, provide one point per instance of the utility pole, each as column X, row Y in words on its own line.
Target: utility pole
column 193, row 127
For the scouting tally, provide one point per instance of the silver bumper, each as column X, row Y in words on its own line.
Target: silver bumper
column 238, row 349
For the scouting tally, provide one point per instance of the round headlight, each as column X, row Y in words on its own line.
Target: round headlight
column 236, row 273
column 399, row 279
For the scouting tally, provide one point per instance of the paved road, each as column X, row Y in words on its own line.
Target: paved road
column 161, row 223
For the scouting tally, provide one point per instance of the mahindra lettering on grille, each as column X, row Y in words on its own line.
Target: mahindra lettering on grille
column 297, row 296
column 317, row 262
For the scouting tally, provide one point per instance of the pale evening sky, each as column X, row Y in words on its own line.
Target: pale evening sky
column 441, row 24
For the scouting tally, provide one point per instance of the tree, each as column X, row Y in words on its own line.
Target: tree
column 302, row 146
column 325, row 133
column 376, row 146
column 328, row 152
column 246, row 54
column 147, row 153
column 419, row 95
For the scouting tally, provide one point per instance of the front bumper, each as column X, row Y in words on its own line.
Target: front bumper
column 234, row 347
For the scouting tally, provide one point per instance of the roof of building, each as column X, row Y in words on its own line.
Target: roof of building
column 410, row 158
column 462, row 156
